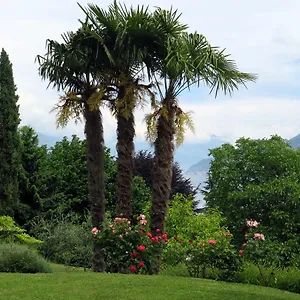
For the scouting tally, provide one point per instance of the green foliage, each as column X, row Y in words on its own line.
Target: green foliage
column 65, row 189
column 257, row 179
column 12, row 233
column 64, row 242
column 285, row 279
column 9, row 139
column 183, row 224
column 65, row 179
column 15, row 258
column 219, row 254
column 33, row 158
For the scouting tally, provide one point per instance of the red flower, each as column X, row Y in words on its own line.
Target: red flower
column 211, row 242
column 149, row 234
column 201, row 244
column 241, row 252
column 141, row 248
column 155, row 239
column 175, row 237
column 133, row 269
column 141, row 264
column 190, row 241
column 158, row 230
column 164, row 236
column 134, row 254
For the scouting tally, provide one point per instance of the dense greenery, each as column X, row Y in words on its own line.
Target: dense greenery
column 86, row 208
column 9, row 139
column 259, row 180
column 16, row 258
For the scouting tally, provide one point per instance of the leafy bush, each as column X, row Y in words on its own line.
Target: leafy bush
column 216, row 253
column 129, row 248
column 183, row 224
column 64, row 241
column 16, row 258
column 11, row 233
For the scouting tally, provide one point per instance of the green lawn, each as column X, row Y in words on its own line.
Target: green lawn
column 75, row 284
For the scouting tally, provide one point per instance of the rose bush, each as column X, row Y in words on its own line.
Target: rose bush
column 217, row 254
column 128, row 248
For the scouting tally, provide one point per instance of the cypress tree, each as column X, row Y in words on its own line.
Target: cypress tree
column 9, row 138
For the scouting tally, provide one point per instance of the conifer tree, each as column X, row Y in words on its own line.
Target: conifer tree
column 9, row 138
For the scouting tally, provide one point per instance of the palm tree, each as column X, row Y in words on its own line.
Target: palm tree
column 129, row 37
column 189, row 60
column 73, row 67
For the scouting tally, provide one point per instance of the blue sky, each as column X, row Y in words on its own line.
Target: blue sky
column 262, row 36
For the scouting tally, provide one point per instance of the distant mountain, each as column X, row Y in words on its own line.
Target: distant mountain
column 201, row 166
column 295, row 141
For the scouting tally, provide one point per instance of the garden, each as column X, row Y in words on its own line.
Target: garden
column 78, row 223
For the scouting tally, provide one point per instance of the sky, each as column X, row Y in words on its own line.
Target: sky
column 261, row 36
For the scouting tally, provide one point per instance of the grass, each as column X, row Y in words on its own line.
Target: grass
column 72, row 283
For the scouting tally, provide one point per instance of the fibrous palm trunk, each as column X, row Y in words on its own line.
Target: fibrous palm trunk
column 95, row 167
column 162, row 173
column 125, row 149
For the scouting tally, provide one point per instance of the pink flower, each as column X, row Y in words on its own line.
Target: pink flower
column 141, row 264
column 121, row 236
column 211, row 242
column 252, row 223
column 149, row 234
column 133, row 269
column 241, row 252
column 120, row 220
column 158, row 230
column 259, row 236
column 134, row 254
column 95, row 230
column 143, row 222
column 141, row 248
column 141, row 217
column 244, row 245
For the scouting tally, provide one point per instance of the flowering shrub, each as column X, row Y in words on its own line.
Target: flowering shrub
column 214, row 253
column 128, row 248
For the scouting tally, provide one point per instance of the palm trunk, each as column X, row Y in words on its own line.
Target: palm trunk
column 162, row 173
column 125, row 149
column 95, row 167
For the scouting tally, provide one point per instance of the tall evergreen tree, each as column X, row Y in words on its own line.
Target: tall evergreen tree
column 9, row 138
column 33, row 157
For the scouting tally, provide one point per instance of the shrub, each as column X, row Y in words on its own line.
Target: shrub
column 9, row 232
column 217, row 254
column 64, row 241
column 129, row 248
column 16, row 258
column 184, row 224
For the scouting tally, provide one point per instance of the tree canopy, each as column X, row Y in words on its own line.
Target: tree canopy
column 257, row 179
